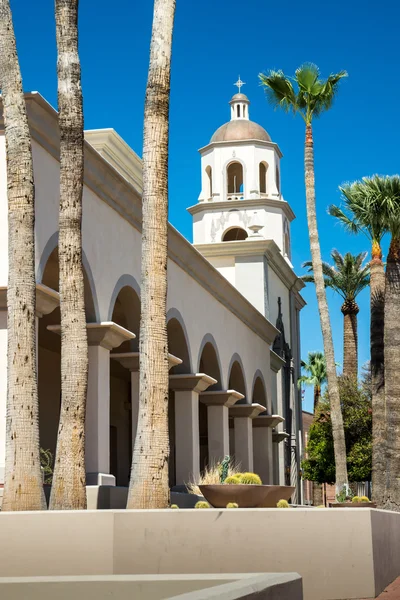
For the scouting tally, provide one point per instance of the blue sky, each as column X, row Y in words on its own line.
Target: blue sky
column 214, row 41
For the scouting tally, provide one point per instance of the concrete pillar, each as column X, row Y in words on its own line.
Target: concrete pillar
column 187, row 444
column 130, row 360
column 262, row 443
column 243, row 433
column 218, row 404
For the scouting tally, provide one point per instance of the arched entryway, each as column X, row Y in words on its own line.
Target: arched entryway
column 49, row 355
column 210, row 365
column 178, row 346
column 124, row 386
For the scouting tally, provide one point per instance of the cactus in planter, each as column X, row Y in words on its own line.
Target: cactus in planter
column 321, row 506
column 233, row 479
column 356, row 499
column 250, row 478
column 232, row 505
column 224, row 468
column 283, row 504
column 174, row 506
column 202, row 504
column 364, row 499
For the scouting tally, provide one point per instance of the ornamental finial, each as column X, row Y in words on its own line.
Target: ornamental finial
column 239, row 83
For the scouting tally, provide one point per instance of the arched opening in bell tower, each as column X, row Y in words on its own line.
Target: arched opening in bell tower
column 234, row 234
column 263, row 171
column 235, row 179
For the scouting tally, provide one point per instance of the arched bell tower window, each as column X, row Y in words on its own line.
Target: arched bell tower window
column 263, row 170
column 209, row 182
column 278, row 181
column 234, row 234
column 235, row 179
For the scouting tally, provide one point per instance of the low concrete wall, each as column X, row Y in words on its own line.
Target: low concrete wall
column 154, row 587
column 340, row 554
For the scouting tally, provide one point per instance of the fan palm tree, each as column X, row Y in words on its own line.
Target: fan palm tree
column 309, row 95
column 69, row 479
column 315, row 367
column 348, row 277
column 23, row 489
column 363, row 212
column 149, row 487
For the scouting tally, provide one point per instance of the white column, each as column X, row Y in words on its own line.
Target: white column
column 262, row 444
column 218, row 404
column 187, row 443
column 97, row 443
column 243, row 414
column 3, row 390
column 243, row 429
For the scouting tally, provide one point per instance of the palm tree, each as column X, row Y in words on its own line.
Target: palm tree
column 312, row 98
column 363, row 213
column 23, row 489
column 316, row 374
column 149, row 486
column 348, row 277
column 69, row 479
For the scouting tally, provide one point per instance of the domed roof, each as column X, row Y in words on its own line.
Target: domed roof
column 239, row 98
column 238, row 130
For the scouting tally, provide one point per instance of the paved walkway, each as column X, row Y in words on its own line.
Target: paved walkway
column 392, row 592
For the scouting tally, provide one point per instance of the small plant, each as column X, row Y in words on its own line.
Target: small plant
column 224, row 469
column 283, row 504
column 356, row 499
column 364, row 499
column 344, row 495
column 250, row 478
column 321, row 506
column 232, row 505
column 202, row 504
column 174, row 506
column 233, row 479
column 210, row 476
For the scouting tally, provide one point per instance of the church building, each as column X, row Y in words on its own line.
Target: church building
column 233, row 316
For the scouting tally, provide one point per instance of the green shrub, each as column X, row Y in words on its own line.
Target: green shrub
column 232, row 505
column 174, row 506
column 364, row 499
column 356, row 499
column 251, row 478
column 283, row 504
column 202, row 504
column 232, row 479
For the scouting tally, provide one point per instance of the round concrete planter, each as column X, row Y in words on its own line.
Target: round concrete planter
column 245, row 495
column 352, row 504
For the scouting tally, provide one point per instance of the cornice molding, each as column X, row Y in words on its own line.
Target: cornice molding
column 261, row 143
column 222, row 205
column 275, row 361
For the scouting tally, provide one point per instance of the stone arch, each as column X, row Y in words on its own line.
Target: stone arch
column 233, row 234
column 235, row 178
column 124, row 310
column 236, row 377
column 48, row 271
column 259, row 390
column 178, row 341
column 209, row 361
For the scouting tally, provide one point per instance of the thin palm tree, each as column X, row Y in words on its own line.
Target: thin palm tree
column 149, row 486
column 316, row 376
column 309, row 95
column 348, row 277
column 69, row 479
column 23, row 489
column 363, row 212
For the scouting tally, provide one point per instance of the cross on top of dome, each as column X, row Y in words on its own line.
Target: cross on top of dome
column 239, row 83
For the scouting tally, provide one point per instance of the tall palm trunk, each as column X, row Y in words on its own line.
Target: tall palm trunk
column 350, row 311
column 149, row 475
column 317, row 396
column 23, row 489
column 392, row 379
column 333, row 388
column 68, row 490
column 377, row 285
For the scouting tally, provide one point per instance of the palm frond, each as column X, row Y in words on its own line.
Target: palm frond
column 279, row 90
